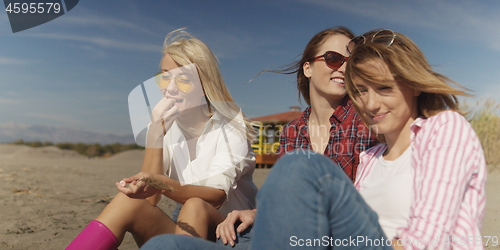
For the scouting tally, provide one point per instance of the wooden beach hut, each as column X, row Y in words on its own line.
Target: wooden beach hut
column 269, row 129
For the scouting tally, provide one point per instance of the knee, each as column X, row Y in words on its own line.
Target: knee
column 300, row 163
column 121, row 213
column 195, row 203
column 297, row 170
column 122, row 204
column 122, row 200
column 195, row 207
column 305, row 163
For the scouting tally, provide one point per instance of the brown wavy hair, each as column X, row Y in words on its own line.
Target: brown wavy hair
column 409, row 67
column 311, row 50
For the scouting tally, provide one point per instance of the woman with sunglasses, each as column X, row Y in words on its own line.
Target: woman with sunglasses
column 200, row 138
column 329, row 126
column 423, row 187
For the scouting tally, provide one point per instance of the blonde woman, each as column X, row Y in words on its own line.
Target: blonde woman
column 423, row 187
column 200, row 138
column 328, row 126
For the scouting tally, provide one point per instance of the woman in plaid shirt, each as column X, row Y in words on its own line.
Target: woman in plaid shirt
column 423, row 187
column 328, row 126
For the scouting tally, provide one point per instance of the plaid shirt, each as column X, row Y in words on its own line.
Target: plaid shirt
column 348, row 137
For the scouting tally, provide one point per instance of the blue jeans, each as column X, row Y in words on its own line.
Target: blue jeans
column 306, row 200
column 175, row 241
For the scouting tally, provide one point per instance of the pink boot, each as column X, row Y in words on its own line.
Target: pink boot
column 95, row 236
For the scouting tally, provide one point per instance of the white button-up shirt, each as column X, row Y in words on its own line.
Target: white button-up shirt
column 224, row 160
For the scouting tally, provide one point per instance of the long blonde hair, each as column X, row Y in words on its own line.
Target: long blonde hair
column 186, row 49
column 409, row 67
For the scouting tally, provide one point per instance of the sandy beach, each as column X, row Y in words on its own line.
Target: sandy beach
column 48, row 195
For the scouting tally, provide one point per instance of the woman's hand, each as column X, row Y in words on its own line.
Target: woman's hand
column 162, row 118
column 396, row 246
column 137, row 189
column 225, row 230
column 165, row 112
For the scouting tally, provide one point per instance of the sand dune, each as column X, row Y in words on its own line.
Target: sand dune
column 129, row 155
column 48, row 195
column 22, row 151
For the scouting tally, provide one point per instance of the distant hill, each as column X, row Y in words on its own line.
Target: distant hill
column 10, row 132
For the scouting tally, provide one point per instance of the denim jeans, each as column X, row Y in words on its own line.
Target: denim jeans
column 175, row 241
column 306, row 201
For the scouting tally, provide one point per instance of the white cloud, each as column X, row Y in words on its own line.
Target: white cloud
column 233, row 43
column 456, row 19
column 98, row 21
column 9, row 101
column 107, row 31
column 117, row 22
column 13, row 61
column 103, row 42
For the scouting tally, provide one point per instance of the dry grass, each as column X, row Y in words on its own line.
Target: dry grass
column 157, row 184
column 485, row 119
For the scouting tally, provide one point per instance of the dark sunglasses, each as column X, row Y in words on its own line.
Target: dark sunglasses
column 333, row 59
column 384, row 37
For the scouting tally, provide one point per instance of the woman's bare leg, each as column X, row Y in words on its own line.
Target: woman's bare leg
column 198, row 218
column 137, row 216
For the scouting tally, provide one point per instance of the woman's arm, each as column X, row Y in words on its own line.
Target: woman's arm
column 229, row 161
column 153, row 155
column 181, row 193
column 177, row 192
column 163, row 116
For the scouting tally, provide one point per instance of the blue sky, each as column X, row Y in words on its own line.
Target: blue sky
column 78, row 69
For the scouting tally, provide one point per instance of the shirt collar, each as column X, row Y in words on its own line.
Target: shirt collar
column 306, row 114
column 177, row 136
column 341, row 112
column 416, row 126
column 215, row 116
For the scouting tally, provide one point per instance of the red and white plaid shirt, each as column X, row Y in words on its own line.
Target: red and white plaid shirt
column 348, row 137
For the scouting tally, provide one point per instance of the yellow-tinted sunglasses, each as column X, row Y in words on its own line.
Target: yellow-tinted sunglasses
column 182, row 82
